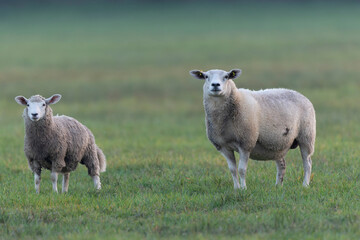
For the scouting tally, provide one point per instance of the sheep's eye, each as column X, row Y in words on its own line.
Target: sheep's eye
column 27, row 104
column 206, row 77
column 43, row 104
column 226, row 77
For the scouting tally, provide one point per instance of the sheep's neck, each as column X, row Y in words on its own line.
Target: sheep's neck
column 218, row 109
column 41, row 127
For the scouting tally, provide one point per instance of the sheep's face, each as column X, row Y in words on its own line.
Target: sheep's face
column 36, row 105
column 216, row 81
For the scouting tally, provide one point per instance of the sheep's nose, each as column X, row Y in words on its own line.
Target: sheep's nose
column 34, row 114
column 215, row 84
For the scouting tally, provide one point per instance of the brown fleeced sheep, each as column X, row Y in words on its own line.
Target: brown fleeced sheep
column 58, row 143
column 261, row 125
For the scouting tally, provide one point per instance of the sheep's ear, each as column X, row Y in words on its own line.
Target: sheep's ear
column 21, row 100
column 197, row 74
column 53, row 99
column 234, row 73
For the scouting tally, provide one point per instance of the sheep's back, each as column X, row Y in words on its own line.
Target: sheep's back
column 280, row 106
column 76, row 135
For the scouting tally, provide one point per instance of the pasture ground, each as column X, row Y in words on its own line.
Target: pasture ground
column 123, row 71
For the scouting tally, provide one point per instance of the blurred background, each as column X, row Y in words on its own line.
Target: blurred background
column 127, row 62
column 122, row 68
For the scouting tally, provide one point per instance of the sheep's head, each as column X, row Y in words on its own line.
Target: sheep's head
column 216, row 81
column 36, row 105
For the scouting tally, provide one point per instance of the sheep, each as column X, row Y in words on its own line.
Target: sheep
column 261, row 125
column 58, row 143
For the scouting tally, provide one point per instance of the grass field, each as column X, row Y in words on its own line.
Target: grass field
column 123, row 71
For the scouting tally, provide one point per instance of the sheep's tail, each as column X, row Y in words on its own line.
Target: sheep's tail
column 102, row 159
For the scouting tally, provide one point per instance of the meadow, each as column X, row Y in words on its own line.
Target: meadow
column 122, row 70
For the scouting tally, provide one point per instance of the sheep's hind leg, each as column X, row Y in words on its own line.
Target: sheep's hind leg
column 54, row 178
column 97, row 182
column 91, row 161
column 230, row 158
column 280, row 166
column 37, row 180
column 65, row 182
column 307, row 163
column 243, row 162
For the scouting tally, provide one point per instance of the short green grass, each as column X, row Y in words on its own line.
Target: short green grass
column 123, row 71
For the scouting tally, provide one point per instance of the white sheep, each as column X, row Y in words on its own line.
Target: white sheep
column 58, row 143
column 262, row 125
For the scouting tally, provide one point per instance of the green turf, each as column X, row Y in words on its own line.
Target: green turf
column 123, row 71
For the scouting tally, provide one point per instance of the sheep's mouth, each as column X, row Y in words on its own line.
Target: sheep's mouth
column 215, row 93
column 34, row 118
column 215, row 90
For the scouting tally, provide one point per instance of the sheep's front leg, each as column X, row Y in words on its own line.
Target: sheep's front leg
column 57, row 166
column 243, row 162
column 65, row 182
column 36, row 169
column 54, row 178
column 230, row 158
column 280, row 166
column 37, row 180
